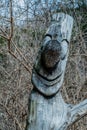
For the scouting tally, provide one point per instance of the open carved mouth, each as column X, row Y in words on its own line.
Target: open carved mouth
column 47, row 81
column 50, row 80
column 45, row 85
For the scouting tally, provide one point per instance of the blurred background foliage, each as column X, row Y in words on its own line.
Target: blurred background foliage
column 30, row 21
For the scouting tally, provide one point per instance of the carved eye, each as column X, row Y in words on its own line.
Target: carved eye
column 47, row 38
column 48, row 35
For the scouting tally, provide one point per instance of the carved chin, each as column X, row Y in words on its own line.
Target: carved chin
column 45, row 86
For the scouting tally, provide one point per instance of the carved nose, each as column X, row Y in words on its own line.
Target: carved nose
column 51, row 54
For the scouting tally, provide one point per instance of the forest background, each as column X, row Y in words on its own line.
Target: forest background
column 23, row 24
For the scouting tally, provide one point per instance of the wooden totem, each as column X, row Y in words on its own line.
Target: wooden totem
column 47, row 109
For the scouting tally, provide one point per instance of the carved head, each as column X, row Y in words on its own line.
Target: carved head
column 49, row 68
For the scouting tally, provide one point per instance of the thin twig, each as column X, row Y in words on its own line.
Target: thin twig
column 78, row 119
column 12, row 116
column 4, row 36
column 2, row 30
column 11, row 19
column 4, row 70
column 18, row 50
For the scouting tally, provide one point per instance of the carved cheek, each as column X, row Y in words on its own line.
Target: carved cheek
column 64, row 50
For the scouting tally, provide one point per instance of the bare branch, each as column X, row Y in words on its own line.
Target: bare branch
column 10, row 115
column 25, row 66
column 3, row 31
column 11, row 19
column 4, row 36
column 18, row 50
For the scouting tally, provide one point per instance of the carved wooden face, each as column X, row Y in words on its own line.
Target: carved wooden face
column 50, row 64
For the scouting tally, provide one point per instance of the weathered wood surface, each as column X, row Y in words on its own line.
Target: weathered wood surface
column 47, row 109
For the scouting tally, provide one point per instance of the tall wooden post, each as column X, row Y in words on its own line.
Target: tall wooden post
column 47, row 109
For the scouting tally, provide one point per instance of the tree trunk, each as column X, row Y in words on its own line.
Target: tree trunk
column 47, row 109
